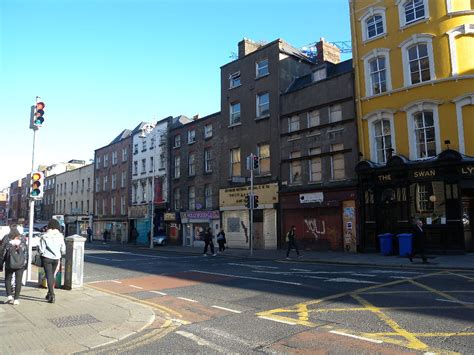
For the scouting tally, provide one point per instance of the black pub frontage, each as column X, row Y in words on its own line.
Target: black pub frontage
column 439, row 191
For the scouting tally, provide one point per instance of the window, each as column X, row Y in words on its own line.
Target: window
column 104, row 206
column 373, row 23
column 313, row 118
column 123, row 179
column 191, row 198
column 208, row 196
column 114, row 181
column 207, row 160
column 295, row 168
column 191, row 164
column 208, row 131
column 293, row 123
column 263, row 152
column 105, row 181
column 135, row 168
column 234, row 80
column 235, row 162
column 263, row 104
column 177, row 199
column 177, row 167
column 378, row 75
column 135, row 149
column 143, row 166
column 261, row 68
column 135, row 193
column 414, row 10
column 422, row 197
column 122, row 206
column 425, row 134
column 374, row 26
column 419, row 63
column 335, row 113
column 82, row 185
column 337, row 162
column 152, row 165
column 177, row 141
column 106, row 160
column 143, row 145
column 461, row 37
column 383, row 140
column 315, row 167
column 191, row 136
column 319, row 74
column 234, row 113
column 124, row 154
column 114, row 158
column 97, row 184
column 152, row 142
column 87, row 204
column 112, row 205
column 459, row 5
column 97, row 162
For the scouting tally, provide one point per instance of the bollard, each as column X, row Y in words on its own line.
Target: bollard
column 74, row 273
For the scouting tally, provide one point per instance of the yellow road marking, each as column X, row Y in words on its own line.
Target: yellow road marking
column 461, row 275
column 362, row 309
column 442, row 294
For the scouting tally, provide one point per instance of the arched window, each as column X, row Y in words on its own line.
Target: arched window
column 375, row 26
column 424, row 134
column 412, row 11
column 373, row 23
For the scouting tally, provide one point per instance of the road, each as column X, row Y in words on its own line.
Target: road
column 231, row 305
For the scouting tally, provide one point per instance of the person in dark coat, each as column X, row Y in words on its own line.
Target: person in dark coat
column 208, row 242
column 418, row 242
column 89, row 234
column 221, row 240
column 291, row 240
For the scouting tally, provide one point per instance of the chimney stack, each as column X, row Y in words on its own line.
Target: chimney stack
column 327, row 52
column 247, row 46
column 196, row 117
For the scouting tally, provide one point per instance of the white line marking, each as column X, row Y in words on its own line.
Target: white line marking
column 117, row 282
column 356, row 337
column 254, row 266
column 159, row 293
column 187, row 299
column 277, row 320
column 140, row 288
column 201, row 341
column 97, row 257
column 304, row 270
column 452, row 301
column 364, row 275
column 344, row 279
column 248, row 277
column 227, row 309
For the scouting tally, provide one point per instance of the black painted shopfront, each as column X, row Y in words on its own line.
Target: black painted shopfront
column 439, row 191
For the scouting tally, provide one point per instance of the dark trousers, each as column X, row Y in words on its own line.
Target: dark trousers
column 221, row 245
column 419, row 251
column 211, row 243
column 8, row 281
column 292, row 245
column 50, row 266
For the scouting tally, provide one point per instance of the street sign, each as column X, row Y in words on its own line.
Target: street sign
column 238, row 179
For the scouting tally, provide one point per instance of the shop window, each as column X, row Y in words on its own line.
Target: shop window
column 422, row 197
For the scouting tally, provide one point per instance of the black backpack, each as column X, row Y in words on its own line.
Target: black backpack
column 16, row 258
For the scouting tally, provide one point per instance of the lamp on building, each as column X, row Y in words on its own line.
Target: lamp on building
column 432, row 198
column 447, row 142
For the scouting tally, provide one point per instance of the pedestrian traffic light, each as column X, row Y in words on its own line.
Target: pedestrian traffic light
column 38, row 118
column 247, row 201
column 256, row 162
column 36, row 187
column 255, row 201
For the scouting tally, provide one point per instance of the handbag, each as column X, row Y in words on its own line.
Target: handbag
column 37, row 261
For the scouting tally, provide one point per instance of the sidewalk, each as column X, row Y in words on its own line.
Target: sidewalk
column 80, row 320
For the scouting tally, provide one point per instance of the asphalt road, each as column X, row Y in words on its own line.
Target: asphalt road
column 230, row 305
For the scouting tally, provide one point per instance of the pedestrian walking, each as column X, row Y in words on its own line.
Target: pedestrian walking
column 418, row 242
column 51, row 248
column 208, row 241
column 221, row 240
column 89, row 234
column 291, row 240
column 14, row 254
column 105, row 235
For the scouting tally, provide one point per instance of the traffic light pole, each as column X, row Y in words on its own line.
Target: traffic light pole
column 31, row 216
column 251, row 204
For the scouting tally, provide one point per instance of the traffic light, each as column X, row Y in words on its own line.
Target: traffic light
column 247, row 201
column 36, row 187
column 38, row 118
column 256, row 162
column 255, row 201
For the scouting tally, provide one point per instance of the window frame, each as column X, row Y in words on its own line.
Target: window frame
column 192, row 164
column 367, row 59
column 260, row 105
column 177, row 141
column 333, row 157
column 207, row 196
column 312, row 161
column 177, row 167
column 295, row 165
column 371, row 119
column 331, row 111
column 208, row 160
column 259, row 68
column 233, row 121
column 402, row 13
column 191, row 136
column 417, row 39
column 233, row 79
column 371, row 12
column 236, row 163
column 192, row 197
column 207, row 130
column 263, row 159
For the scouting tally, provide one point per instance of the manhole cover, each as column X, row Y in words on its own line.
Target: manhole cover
column 72, row 321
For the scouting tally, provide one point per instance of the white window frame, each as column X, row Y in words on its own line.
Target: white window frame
column 259, row 68
column 411, row 41
column 208, row 196
column 317, row 118
column 191, row 136
column 177, row 141
column 208, row 160
column 124, row 154
column 191, row 198
column 97, row 162
column 114, row 181
column 331, row 111
column 106, row 160
column 234, row 116
column 112, row 206
column 315, row 160
column 374, row 117
column 263, row 158
column 460, row 102
column 192, row 164
column 177, row 167
column 105, row 181
column 378, row 52
column 261, row 106
column 177, row 199
column 114, row 158
column 293, row 123
column 233, row 80
column 401, row 12
column 122, row 206
column 452, row 34
column 235, row 162
column 411, row 109
column 371, row 12
column 123, row 179
column 208, row 130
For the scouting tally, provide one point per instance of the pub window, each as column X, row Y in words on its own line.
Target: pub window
column 451, row 191
column 422, row 197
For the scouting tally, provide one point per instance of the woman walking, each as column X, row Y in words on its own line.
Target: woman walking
column 51, row 248
column 221, row 240
column 14, row 253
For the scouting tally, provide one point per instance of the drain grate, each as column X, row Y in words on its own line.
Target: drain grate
column 72, row 321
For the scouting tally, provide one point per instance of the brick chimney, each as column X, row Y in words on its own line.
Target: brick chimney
column 327, row 52
column 247, row 46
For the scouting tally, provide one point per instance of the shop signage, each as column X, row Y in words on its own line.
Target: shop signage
column 168, row 216
column 138, row 211
column 267, row 194
column 424, row 173
column 468, row 170
column 201, row 214
column 386, row 177
column 312, row 197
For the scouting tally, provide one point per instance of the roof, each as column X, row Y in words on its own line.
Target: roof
column 124, row 134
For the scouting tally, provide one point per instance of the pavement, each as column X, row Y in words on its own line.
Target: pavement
column 80, row 320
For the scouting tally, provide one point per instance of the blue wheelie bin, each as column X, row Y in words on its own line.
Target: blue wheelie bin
column 405, row 244
column 386, row 243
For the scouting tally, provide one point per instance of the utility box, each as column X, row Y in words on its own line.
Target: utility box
column 74, row 271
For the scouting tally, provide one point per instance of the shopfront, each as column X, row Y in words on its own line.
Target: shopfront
column 140, row 222
column 439, row 191
column 194, row 223
column 173, row 228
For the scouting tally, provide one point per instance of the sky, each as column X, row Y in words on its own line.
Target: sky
column 102, row 66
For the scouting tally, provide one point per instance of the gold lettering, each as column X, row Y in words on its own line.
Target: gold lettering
column 468, row 170
column 387, row 177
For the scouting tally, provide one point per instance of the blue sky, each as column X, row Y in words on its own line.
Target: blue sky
column 105, row 65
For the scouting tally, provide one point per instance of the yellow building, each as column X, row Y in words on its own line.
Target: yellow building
column 414, row 72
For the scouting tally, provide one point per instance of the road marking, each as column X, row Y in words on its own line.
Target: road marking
column 96, row 257
column 363, row 275
column 451, row 301
column 187, row 299
column 278, row 320
column 304, row 270
column 159, row 293
column 356, row 337
column 248, row 277
column 345, row 279
column 253, row 266
column 201, row 341
column 138, row 287
column 439, row 293
column 227, row 309
column 115, row 281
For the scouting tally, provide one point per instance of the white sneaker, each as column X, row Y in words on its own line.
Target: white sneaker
column 16, row 302
column 204, row 254
column 214, row 254
column 9, row 299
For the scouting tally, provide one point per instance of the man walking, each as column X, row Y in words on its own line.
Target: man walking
column 418, row 242
column 208, row 241
column 89, row 234
column 291, row 240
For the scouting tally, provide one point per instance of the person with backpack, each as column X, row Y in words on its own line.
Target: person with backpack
column 291, row 240
column 14, row 254
column 221, row 240
column 51, row 248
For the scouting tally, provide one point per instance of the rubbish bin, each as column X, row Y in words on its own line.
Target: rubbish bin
column 405, row 244
column 386, row 243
